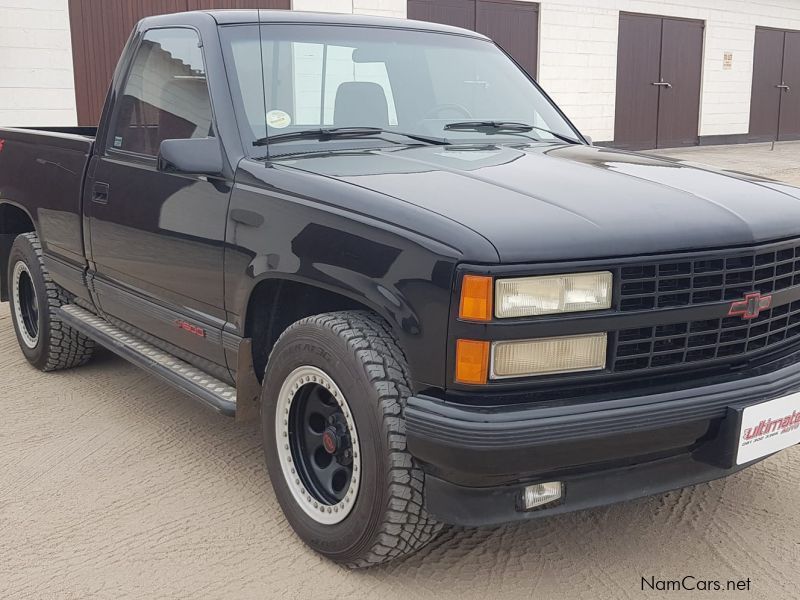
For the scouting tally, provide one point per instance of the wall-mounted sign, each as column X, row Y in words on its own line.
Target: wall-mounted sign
column 727, row 61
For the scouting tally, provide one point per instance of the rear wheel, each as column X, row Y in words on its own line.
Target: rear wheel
column 46, row 341
column 334, row 438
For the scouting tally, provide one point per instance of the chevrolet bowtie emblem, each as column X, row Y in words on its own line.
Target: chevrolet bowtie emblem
column 751, row 306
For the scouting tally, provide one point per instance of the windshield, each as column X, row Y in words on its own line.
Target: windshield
column 291, row 78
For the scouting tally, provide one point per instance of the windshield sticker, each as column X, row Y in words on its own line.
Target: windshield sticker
column 118, row 141
column 278, row 119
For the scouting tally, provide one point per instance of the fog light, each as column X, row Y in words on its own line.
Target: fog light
column 536, row 496
column 548, row 356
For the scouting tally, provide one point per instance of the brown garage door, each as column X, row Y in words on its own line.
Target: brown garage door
column 659, row 63
column 775, row 99
column 458, row 13
column 100, row 29
column 512, row 24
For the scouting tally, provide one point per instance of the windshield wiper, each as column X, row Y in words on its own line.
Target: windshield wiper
column 489, row 127
column 329, row 133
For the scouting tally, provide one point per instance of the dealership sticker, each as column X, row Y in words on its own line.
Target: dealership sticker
column 278, row 119
column 769, row 427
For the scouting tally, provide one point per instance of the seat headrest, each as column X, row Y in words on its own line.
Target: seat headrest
column 360, row 104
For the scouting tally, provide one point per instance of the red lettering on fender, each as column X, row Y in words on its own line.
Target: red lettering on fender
column 193, row 329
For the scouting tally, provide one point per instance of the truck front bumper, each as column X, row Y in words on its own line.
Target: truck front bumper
column 479, row 459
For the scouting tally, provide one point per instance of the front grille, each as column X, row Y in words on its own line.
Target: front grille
column 697, row 341
column 709, row 279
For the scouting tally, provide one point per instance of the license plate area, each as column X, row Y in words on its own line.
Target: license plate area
column 768, row 427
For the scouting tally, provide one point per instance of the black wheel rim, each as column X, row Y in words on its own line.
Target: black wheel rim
column 320, row 444
column 28, row 305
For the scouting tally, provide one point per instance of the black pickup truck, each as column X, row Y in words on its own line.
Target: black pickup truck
column 383, row 240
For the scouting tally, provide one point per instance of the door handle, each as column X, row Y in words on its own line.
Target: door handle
column 662, row 83
column 784, row 87
column 100, row 193
column 246, row 217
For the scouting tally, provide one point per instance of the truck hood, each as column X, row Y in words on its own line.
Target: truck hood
column 546, row 202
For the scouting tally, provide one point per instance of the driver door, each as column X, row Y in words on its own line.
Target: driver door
column 156, row 239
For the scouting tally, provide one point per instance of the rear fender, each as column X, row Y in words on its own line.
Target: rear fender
column 6, row 241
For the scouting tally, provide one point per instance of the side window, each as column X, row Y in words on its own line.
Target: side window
column 165, row 96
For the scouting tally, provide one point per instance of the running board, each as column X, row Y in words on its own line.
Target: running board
column 217, row 394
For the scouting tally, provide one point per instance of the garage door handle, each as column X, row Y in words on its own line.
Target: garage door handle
column 664, row 83
column 783, row 86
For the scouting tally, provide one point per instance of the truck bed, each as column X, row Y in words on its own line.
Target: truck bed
column 73, row 130
column 41, row 172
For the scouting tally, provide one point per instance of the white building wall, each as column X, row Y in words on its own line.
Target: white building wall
column 36, row 81
column 381, row 8
column 578, row 56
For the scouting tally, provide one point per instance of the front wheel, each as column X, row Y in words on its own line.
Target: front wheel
column 334, row 439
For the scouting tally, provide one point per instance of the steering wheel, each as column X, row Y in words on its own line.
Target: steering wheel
column 439, row 108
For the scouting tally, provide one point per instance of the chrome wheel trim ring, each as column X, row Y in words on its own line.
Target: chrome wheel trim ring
column 326, row 514
column 19, row 269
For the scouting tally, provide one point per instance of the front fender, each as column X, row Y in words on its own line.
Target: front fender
column 290, row 232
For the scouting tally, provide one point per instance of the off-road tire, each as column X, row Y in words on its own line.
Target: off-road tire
column 58, row 346
column 359, row 352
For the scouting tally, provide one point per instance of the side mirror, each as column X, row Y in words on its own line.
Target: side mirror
column 193, row 156
column 588, row 140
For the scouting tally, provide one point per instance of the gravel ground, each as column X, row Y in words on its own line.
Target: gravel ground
column 113, row 485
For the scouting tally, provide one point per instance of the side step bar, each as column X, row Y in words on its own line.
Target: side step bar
column 217, row 394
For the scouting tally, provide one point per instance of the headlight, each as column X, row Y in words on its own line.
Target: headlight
column 548, row 356
column 552, row 294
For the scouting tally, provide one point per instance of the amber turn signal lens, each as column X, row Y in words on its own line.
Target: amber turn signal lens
column 472, row 361
column 476, row 298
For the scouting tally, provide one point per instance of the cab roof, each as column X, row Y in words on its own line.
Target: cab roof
column 231, row 17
